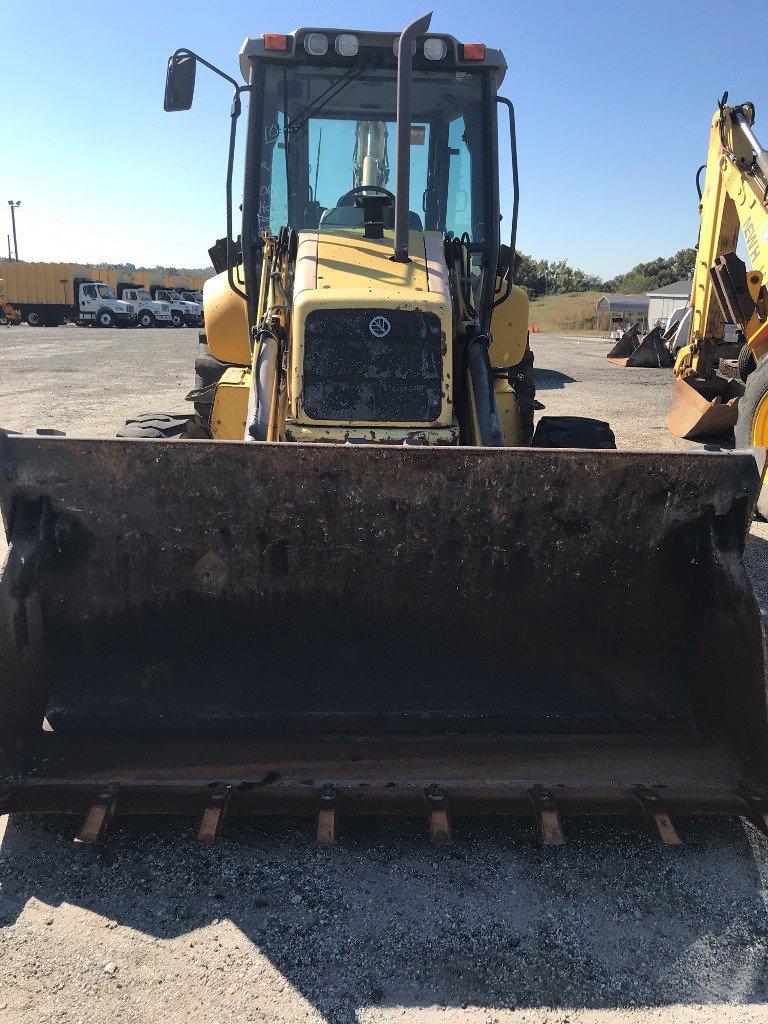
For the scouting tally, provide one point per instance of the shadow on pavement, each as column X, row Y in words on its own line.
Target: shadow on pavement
column 551, row 380
column 612, row 919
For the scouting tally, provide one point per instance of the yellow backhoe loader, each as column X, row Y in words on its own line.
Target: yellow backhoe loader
column 349, row 584
column 709, row 398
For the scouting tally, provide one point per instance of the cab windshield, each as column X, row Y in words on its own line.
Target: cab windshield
column 328, row 130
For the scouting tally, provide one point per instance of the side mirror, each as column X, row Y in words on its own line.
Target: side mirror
column 180, row 81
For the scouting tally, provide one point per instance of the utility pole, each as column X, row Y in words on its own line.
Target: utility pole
column 14, row 207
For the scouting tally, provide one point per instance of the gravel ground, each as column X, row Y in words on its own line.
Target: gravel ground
column 267, row 926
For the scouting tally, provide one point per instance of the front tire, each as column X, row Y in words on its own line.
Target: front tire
column 163, row 425
column 752, row 423
column 33, row 318
column 573, row 432
column 178, row 319
column 147, row 319
column 105, row 318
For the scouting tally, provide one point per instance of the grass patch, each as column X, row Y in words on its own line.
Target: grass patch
column 571, row 311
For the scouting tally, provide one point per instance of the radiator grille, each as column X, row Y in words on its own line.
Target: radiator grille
column 376, row 365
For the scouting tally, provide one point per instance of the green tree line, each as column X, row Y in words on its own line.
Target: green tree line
column 550, row 277
column 130, row 267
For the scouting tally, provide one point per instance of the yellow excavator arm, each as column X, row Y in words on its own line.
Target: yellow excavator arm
column 734, row 198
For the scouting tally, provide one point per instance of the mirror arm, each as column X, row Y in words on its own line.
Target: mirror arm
column 515, row 201
column 205, row 63
column 234, row 115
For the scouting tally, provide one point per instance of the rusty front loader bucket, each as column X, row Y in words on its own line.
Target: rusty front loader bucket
column 703, row 410
column 194, row 627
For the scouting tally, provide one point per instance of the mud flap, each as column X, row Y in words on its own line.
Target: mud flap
column 203, row 588
column 704, row 410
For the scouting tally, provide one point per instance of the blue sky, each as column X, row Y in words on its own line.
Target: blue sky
column 613, row 104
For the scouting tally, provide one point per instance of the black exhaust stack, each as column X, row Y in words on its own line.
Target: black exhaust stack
column 405, row 50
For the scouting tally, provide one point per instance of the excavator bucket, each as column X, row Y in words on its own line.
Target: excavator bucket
column 629, row 350
column 194, row 627
column 704, row 410
column 651, row 351
column 625, row 346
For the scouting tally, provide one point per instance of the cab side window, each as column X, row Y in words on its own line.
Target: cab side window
column 89, row 291
column 459, row 214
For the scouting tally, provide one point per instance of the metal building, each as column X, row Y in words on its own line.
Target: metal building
column 621, row 310
column 664, row 301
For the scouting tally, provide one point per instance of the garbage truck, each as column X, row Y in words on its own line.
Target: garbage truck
column 52, row 293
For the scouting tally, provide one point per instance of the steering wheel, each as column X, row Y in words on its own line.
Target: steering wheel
column 348, row 198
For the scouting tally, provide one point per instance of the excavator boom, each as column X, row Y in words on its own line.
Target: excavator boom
column 734, row 199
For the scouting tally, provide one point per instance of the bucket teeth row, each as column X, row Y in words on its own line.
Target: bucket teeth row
column 650, row 803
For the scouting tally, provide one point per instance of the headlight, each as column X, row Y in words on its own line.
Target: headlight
column 347, row 45
column 435, row 49
column 316, row 44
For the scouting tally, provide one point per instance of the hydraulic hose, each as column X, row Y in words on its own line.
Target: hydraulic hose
column 491, row 434
column 264, row 380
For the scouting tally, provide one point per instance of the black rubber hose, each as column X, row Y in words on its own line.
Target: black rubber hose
column 491, row 434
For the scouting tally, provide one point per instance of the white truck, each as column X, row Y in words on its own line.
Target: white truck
column 193, row 295
column 150, row 312
column 51, row 293
column 183, row 312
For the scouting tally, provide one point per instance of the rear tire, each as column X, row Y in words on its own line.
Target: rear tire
column 208, row 373
column 572, row 432
column 752, row 423
column 163, row 425
column 33, row 318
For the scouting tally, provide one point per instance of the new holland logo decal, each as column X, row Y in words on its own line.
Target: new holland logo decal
column 379, row 327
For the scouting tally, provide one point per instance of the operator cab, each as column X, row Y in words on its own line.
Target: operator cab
column 322, row 137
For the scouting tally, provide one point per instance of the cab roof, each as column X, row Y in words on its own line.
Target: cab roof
column 382, row 42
